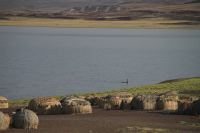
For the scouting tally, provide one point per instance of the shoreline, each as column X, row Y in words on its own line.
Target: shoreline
column 155, row 23
column 185, row 86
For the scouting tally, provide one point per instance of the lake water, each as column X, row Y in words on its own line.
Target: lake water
column 59, row 61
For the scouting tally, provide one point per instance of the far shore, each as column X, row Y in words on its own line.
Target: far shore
column 157, row 23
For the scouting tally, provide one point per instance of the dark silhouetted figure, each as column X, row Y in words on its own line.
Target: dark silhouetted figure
column 126, row 82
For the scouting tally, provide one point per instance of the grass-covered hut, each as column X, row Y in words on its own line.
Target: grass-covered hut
column 4, row 121
column 25, row 119
column 119, row 100
column 168, row 102
column 94, row 100
column 45, row 105
column 196, row 107
column 3, row 102
column 185, row 104
column 74, row 105
column 144, row 102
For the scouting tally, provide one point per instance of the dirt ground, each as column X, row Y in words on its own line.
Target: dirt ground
column 115, row 121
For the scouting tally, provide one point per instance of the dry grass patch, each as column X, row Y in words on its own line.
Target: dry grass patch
column 137, row 129
column 79, row 23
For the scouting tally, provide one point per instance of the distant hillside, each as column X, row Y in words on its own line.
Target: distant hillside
column 64, row 4
column 195, row 1
column 160, row 1
column 103, row 9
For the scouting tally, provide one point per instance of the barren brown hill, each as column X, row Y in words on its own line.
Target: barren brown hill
column 102, row 10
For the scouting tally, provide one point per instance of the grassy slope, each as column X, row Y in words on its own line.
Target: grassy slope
column 183, row 87
column 187, row 86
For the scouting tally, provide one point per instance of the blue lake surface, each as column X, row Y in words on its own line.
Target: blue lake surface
column 39, row 61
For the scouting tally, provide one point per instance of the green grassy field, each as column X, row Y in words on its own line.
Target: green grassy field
column 189, row 86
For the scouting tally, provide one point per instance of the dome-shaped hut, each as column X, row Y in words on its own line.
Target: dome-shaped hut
column 3, row 102
column 168, row 102
column 185, row 104
column 144, row 102
column 196, row 108
column 107, row 106
column 74, row 105
column 45, row 105
column 137, row 102
column 93, row 99
column 4, row 121
column 120, row 100
column 25, row 119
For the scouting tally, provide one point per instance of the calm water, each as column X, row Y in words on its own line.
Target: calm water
column 59, row 61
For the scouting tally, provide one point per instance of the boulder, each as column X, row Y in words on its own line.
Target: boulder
column 45, row 105
column 25, row 119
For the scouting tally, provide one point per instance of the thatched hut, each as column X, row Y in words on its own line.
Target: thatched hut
column 74, row 105
column 185, row 104
column 3, row 102
column 94, row 100
column 101, row 101
column 137, row 102
column 107, row 106
column 144, row 102
column 168, row 102
column 25, row 119
column 45, row 105
column 115, row 100
column 4, row 121
column 196, row 108
column 170, row 94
